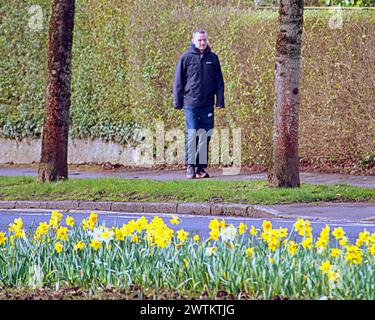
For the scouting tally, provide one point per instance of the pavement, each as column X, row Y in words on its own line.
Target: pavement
column 357, row 212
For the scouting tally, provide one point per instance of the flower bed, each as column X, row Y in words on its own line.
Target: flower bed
column 242, row 260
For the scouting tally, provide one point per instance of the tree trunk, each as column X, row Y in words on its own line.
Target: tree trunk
column 54, row 155
column 284, row 168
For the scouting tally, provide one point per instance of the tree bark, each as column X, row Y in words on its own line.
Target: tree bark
column 54, row 154
column 284, row 168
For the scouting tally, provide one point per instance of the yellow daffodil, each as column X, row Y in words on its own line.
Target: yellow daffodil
column 283, row 232
column 175, row 220
column 96, row 244
column 119, row 235
column 307, row 243
column 267, row 225
column 135, row 238
column 303, row 227
column 62, row 234
column 214, row 224
column 69, row 221
column 274, row 244
column 363, row 238
column 80, row 245
column 141, row 224
column 196, row 238
column 343, row 242
column 335, row 252
column 353, row 255
column 242, row 228
column 20, row 233
column 292, row 247
column 333, row 276
column 214, row 234
column 182, row 235
column 222, row 224
column 249, row 252
column 326, row 266
column 253, row 231
column 266, row 236
column 3, row 238
column 59, row 247
column 371, row 249
column 338, row 233
column 56, row 217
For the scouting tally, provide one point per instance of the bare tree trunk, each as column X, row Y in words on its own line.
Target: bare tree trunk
column 284, row 169
column 54, row 155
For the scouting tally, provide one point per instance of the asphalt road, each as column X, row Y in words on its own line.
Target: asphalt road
column 191, row 223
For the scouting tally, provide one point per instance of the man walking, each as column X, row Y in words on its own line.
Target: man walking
column 198, row 79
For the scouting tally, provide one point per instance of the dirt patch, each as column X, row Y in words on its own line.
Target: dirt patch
column 133, row 292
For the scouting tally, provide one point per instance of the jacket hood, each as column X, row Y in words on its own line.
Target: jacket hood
column 194, row 49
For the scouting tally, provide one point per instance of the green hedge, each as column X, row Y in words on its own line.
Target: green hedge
column 125, row 52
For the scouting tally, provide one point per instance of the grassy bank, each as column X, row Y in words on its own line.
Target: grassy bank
column 139, row 190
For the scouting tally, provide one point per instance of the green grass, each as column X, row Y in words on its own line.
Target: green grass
column 146, row 190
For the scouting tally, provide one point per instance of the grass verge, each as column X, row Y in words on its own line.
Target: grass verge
column 146, row 190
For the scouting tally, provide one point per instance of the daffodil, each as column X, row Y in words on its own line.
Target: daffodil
column 196, row 238
column 119, row 234
column 141, row 224
column 326, row 267
column 62, row 233
column 335, row 252
column 182, row 235
column 214, row 224
column 253, row 231
column 80, row 245
column 228, row 233
column 55, row 219
column 303, row 227
column 267, row 225
column 242, row 228
column 333, row 276
column 307, row 243
column 175, row 220
column 214, row 234
column 69, row 221
column 210, row 251
column 338, row 233
column 59, row 247
column 135, row 238
column 249, row 252
column 353, row 255
column 292, row 247
column 3, row 238
column 95, row 244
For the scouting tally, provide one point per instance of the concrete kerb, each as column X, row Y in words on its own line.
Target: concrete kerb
column 214, row 209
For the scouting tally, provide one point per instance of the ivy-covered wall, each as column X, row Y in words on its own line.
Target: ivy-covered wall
column 125, row 52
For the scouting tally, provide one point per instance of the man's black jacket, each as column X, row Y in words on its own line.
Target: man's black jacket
column 197, row 80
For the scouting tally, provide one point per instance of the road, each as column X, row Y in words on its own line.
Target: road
column 191, row 223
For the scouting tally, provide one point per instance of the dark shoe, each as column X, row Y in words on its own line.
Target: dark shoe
column 190, row 172
column 201, row 173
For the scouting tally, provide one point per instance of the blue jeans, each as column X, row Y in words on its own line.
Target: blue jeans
column 199, row 125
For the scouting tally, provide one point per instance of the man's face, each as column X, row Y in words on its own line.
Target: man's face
column 200, row 41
